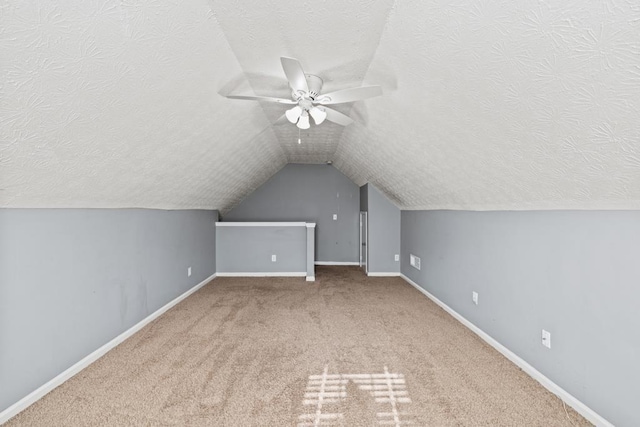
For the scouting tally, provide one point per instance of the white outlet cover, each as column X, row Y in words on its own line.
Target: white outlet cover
column 335, row 217
column 546, row 338
column 189, row 272
column 273, row 258
column 397, row 257
column 474, row 297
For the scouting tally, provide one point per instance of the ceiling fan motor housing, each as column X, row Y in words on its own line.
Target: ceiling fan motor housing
column 315, row 85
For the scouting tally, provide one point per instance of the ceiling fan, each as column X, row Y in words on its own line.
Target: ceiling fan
column 308, row 101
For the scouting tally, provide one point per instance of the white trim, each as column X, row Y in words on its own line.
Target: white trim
column 381, row 274
column 264, row 274
column 311, row 278
column 263, row 224
column 580, row 407
column 336, row 263
column 311, row 225
column 41, row 391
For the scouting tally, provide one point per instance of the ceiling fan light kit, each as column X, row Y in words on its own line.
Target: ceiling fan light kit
column 318, row 114
column 306, row 96
column 303, row 121
column 293, row 114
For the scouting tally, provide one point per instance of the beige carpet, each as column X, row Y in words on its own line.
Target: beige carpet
column 346, row 350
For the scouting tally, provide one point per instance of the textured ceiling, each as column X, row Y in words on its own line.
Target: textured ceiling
column 504, row 105
column 486, row 105
column 105, row 104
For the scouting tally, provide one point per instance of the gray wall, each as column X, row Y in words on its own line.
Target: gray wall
column 311, row 193
column 73, row 279
column 573, row 273
column 384, row 232
column 249, row 249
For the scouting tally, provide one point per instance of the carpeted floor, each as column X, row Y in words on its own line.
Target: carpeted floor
column 346, row 350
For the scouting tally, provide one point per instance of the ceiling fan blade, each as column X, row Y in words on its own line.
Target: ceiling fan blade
column 263, row 98
column 349, row 95
column 337, row 117
column 295, row 74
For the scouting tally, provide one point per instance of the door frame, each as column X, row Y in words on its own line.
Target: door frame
column 364, row 241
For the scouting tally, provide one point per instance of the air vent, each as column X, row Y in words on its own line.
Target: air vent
column 414, row 261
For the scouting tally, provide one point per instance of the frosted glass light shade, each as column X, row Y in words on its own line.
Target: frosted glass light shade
column 293, row 114
column 318, row 114
column 303, row 123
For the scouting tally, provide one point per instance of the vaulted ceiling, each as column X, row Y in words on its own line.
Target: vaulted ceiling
column 486, row 105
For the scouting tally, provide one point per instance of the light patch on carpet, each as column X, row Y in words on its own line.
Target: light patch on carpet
column 329, row 395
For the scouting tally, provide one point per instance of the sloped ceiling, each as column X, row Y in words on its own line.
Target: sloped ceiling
column 486, row 105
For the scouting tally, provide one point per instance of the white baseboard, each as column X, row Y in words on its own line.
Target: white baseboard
column 265, row 274
column 336, row 263
column 378, row 274
column 41, row 391
column 311, row 278
column 564, row 395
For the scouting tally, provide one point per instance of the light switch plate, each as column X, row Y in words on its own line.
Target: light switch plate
column 474, row 297
column 273, row 258
column 189, row 272
column 397, row 257
column 335, row 217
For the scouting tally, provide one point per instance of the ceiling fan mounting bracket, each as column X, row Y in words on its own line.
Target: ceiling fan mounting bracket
column 314, row 83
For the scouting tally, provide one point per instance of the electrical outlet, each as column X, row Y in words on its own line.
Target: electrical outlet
column 546, row 338
column 474, row 297
column 397, row 257
column 414, row 261
column 335, row 217
column 273, row 258
column 189, row 272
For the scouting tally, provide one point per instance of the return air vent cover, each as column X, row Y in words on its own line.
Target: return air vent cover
column 414, row 261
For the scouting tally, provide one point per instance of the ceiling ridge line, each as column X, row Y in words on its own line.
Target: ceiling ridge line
column 384, row 29
column 366, row 72
column 244, row 73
